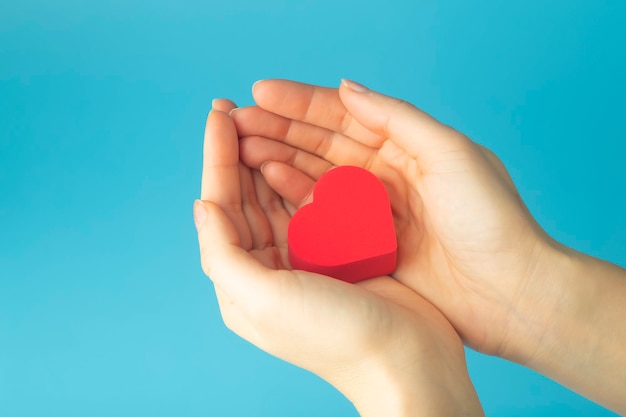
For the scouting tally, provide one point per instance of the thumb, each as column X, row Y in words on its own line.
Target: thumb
column 239, row 275
column 409, row 128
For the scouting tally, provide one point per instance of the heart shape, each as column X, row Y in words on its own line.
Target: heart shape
column 347, row 232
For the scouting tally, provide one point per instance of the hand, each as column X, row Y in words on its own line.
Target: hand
column 466, row 242
column 385, row 347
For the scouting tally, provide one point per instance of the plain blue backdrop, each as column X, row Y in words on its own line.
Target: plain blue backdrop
column 104, row 310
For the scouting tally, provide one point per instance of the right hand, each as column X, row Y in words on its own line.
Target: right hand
column 466, row 242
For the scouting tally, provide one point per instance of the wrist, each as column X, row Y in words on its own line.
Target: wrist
column 431, row 385
column 569, row 325
column 547, row 296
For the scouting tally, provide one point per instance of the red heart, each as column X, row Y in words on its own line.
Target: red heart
column 347, row 232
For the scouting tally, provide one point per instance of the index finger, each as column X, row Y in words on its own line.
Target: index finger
column 320, row 106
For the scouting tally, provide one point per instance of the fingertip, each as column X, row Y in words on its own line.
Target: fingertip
column 258, row 91
column 216, row 114
column 223, row 104
column 199, row 214
column 256, row 86
column 290, row 183
column 264, row 91
column 216, row 234
column 210, row 116
column 214, row 226
column 354, row 86
column 262, row 167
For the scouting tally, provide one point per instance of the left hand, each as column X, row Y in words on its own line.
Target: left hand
column 466, row 242
column 381, row 344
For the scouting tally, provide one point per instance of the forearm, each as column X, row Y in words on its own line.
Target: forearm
column 582, row 311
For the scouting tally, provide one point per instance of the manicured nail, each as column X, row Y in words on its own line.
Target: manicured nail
column 199, row 214
column 354, row 86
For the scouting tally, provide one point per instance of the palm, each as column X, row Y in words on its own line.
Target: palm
column 278, row 306
column 456, row 251
column 378, row 337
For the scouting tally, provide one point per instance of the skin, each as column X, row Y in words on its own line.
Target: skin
column 385, row 347
column 466, row 242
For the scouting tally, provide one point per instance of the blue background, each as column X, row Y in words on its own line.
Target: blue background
column 103, row 307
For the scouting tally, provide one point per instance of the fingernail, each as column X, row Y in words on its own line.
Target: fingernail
column 255, row 83
column 213, row 102
column 262, row 167
column 354, row 86
column 199, row 214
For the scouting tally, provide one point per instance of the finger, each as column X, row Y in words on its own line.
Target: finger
column 260, row 231
column 290, row 183
column 223, row 104
column 255, row 151
column 220, row 171
column 315, row 105
column 275, row 212
column 328, row 144
column 241, row 277
column 409, row 128
column 254, row 296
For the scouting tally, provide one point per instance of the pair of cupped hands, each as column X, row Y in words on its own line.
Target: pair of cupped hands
column 470, row 256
